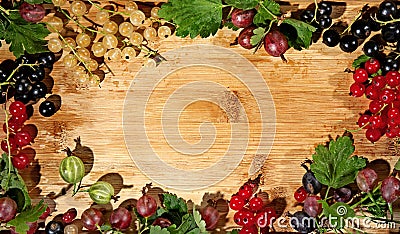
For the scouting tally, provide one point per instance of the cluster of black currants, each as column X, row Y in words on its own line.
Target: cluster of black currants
column 319, row 17
column 382, row 19
column 25, row 80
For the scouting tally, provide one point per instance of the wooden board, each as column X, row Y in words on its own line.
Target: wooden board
column 310, row 94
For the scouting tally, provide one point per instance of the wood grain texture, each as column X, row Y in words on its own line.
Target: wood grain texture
column 311, row 99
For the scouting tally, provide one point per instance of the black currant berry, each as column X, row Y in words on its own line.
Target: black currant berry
column 389, row 64
column 47, row 108
column 391, row 32
column 387, row 10
column 348, row 43
column 361, row 29
column 371, row 48
column 47, row 59
column 54, row 227
column 331, row 38
column 38, row 74
column 324, row 21
column 307, row 15
column 324, row 8
column 39, row 90
column 23, row 85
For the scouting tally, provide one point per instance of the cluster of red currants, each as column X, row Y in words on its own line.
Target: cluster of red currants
column 252, row 212
column 383, row 115
column 19, row 135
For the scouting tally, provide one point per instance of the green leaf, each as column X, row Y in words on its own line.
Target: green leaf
column 193, row 17
column 234, row 231
column 172, row 202
column 258, row 36
column 35, row 1
column 13, row 181
column 360, row 60
column 267, row 10
column 28, row 215
column 25, row 37
column 337, row 214
column 198, row 219
column 158, row 230
column 333, row 165
column 397, row 165
column 242, row 4
column 304, row 33
column 230, row 25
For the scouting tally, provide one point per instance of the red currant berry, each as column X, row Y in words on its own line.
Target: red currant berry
column 45, row 214
column 393, row 112
column 387, row 96
column 392, row 122
column 70, row 215
column 249, row 230
column 376, row 121
column 372, row 66
column 373, row 135
column 256, row 204
column 17, row 108
column 379, row 82
column 300, row 194
column 360, row 75
column 20, row 161
column 23, row 138
column 393, row 78
column 372, row 93
column 266, row 217
column 12, row 126
column 236, row 202
column 248, row 217
column 246, row 191
column 357, row 90
column 19, row 118
column 363, row 122
column 238, row 217
column 392, row 132
column 375, row 106
column 392, row 81
column 13, row 144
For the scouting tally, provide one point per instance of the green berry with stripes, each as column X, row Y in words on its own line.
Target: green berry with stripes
column 101, row 192
column 72, row 169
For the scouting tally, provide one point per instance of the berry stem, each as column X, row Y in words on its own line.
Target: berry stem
column 73, row 51
column 352, row 22
column 268, row 11
column 109, row 11
column 315, row 12
column 8, row 147
column 84, row 28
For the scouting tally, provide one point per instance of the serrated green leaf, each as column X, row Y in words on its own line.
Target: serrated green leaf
column 193, row 17
column 158, row 230
column 25, row 37
column 304, row 33
column 242, row 4
column 258, row 36
column 172, row 202
column 267, row 10
column 198, row 219
column 333, row 166
column 360, row 60
column 230, row 25
column 28, row 215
